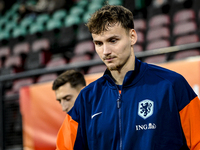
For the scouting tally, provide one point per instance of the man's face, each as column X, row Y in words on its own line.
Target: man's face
column 66, row 95
column 114, row 46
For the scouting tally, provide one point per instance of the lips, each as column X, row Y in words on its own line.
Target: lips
column 108, row 58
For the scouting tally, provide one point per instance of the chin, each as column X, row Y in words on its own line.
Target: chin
column 113, row 68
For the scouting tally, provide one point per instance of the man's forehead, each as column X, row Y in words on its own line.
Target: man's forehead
column 108, row 27
column 113, row 31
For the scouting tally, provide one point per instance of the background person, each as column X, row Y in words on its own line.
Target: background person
column 67, row 87
column 134, row 105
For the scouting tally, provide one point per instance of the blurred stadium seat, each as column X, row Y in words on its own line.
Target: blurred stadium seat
column 96, row 69
column 184, row 28
column 84, row 47
column 185, row 54
column 159, row 20
column 46, row 78
column 59, row 15
column 186, row 39
column 4, row 53
column 56, row 61
column 158, row 33
column 156, row 59
column 184, row 15
column 39, row 54
column 161, row 43
column 80, row 58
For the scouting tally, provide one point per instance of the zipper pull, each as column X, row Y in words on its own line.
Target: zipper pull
column 119, row 101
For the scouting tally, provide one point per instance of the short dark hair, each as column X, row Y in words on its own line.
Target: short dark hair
column 74, row 77
column 109, row 15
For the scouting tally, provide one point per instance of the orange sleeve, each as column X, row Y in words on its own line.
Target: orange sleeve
column 67, row 134
column 190, row 120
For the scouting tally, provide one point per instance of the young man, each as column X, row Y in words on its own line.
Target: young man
column 67, row 87
column 134, row 105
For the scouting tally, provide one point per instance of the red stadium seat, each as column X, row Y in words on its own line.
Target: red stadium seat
column 41, row 44
column 156, row 59
column 158, row 44
column 185, row 28
column 184, row 54
column 21, row 48
column 158, row 33
column 13, row 64
column 84, row 47
column 184, row 15
column 159, row 20
column 56, row 62
column 4, row 53
column 140, row 24
column 17, row 84
column 96, row 69
column 46, row 78
column 80, row 58
column 187, row 39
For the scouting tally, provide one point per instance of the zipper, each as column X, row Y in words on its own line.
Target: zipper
column 120, row 122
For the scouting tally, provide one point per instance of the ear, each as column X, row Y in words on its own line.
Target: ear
column 133, row 35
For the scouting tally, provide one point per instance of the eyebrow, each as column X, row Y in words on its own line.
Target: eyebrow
column 108, row 39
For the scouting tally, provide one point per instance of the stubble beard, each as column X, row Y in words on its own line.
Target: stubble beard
column 114, row 67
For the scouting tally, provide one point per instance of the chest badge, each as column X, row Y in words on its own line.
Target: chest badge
column 145, row 108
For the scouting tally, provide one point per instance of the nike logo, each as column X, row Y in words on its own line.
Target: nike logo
column 96, row 115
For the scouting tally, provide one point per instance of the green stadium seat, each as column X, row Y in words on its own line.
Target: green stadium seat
column 26, row 22
column 115, row 2
column 59, row 14
column 94, row 6
column 18, row 32
column 14, row 17
column 3, row 22
column 4, row 35
column 86, row 16
column 10, row 26
column 77, row 10
column 72, row 20
column 15, row 7
column 36, row 28
column 82, row 3
column 43, row 18
column 53, row 24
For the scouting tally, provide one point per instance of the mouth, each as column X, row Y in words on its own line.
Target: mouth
column 109, row 59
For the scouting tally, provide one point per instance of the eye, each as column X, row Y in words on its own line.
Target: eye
column 113, row 40
column 98, row 43
column 67, row 98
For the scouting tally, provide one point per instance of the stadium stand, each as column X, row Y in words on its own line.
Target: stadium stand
column 30, row 41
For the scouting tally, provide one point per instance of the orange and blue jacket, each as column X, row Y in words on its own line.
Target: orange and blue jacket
column 156, row 109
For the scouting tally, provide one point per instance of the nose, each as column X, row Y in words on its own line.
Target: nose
column 106, row 49
column 64, row 105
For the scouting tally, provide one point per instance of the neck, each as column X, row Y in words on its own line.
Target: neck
column 119, row 75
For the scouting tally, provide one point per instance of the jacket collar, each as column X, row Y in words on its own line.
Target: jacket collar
column 131, row 77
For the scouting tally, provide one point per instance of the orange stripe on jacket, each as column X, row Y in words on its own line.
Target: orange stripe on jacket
column 191, row 123
column 67, row 134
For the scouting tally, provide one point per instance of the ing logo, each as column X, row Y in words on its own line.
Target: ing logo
column 145, row 108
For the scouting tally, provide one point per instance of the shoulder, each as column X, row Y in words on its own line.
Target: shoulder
column 165, row 74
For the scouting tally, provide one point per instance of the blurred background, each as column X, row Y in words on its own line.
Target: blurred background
column 39, row 39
